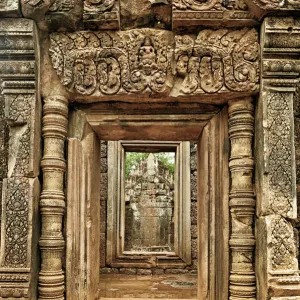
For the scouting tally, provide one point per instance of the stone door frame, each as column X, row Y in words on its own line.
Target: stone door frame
column 213, row 211
column 115, row 256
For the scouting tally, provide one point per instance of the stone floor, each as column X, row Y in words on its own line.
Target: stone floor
column 148, row 287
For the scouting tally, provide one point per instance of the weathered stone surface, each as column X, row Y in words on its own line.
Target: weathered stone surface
column 149, row 194
column 176, row 271
column 145, row 13
column 10, row 8
column 242, row 203
column 189, row 13
column 63, row 15
column 144, row 272
column 35, row 9
column 19, row 155
column 19, row 237
column 276, row 257
column 109, row 271
column 101, row 14
column 102, row 249
column 194, row 219
column 103, row 192
column 128, row 271
column 141, row 61
column 194, row 185
column 103, row 149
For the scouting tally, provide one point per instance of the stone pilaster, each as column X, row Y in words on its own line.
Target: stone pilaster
column 52, row 204
column 242, row 203
column 276, row 261
column 20, row 158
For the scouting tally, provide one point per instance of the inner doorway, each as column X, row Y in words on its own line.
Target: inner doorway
column 87, row 127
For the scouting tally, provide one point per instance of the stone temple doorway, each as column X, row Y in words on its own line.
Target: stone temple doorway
column 88, row 125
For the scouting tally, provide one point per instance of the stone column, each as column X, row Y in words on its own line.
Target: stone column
column 52, row 204
column 242, row 203
column 276, row 251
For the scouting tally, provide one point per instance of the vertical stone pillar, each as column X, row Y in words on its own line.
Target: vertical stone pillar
column 19, row 156
column 242, row 203
column 52, row 204
column 276, row 250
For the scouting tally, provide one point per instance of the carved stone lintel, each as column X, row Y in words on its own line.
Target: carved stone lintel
column 242, row 203
column 52, row 204
column 93, row 64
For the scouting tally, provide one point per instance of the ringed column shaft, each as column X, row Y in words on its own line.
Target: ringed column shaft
column 52, row 204
column 242, row 202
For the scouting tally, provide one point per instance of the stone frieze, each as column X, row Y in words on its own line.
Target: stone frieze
column 156, row 62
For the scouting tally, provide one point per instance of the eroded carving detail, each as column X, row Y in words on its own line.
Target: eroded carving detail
column 107, row 63
column 140, row 61
column 283, row 247
column 218, row 60
column 62, row 6
column 16, row 231
column 279, row 105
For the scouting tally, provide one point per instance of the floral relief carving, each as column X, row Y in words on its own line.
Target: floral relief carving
column 16, row 233
column 99, row 62
column 280, row 152
column 283, row 246
column 218, row 60
column 134, row 61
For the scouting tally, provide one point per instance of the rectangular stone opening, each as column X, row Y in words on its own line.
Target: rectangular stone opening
column 149, row 202
column 210, row 201
column 148, row 205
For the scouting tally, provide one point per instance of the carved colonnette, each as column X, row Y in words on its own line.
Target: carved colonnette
column 52, row 204
column 20, row 152
column 155, row 62
column 277, row 265
column 242, row 202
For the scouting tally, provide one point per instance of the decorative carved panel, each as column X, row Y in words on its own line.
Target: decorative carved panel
column 188, row 13
column 20, row 153
column 275, row 161
column 142, row 61
column 101, row 14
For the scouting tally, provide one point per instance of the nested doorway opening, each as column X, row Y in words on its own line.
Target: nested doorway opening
column 168, row 249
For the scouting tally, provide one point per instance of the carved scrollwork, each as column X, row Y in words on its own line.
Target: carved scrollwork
column 222, row 59
column 135, row 61
column 108, row 63
column 197, row 4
